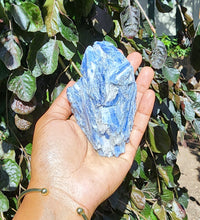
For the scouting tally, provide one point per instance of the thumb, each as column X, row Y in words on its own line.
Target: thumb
column 61, row 108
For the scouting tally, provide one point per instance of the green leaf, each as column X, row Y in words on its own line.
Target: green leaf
column 61, row 6
column 34, row 16
column 165, row 6
column 3, row 16
column 123, row 3
column 47, row 57
column 67, row 28
column 6, row 150
column 166, row 172
column 171, row 74
column 20, row 16
column 130, row 18
column 150, row 189
column 87, row 6
column 159, row 211
column 178, row 210
column 183, row 197
column 147, row 212
column 10, row 175
column 10, row 51
column 196, row 106
column 160, row 141
column 196, row 124
column 138, row 198
column 23, row 85
column 57, row 90
column 159, row 54
column 67, row 49
column 109, row 39
column 4, row 203
column 38, row 41
column 167, row 195
column 28, row 148
column 117, row 29
column 189, row 112
column 51, row 14
column 178, row 121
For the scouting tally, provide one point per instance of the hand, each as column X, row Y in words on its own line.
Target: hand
column 64, row 161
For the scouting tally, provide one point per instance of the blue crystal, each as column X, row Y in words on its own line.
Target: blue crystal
column 103, row 100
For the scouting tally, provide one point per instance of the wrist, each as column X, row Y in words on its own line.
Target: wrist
column 55, row 205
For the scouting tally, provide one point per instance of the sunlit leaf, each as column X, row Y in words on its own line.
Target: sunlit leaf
column 159, row 54
column 167, row 195
column 171, row 74
column 20, row 16
column 130, row 18
column 178, row 121
column 10, row 174
column 38, row 41
column 196, row 124
column 117, row 29
column 51, row 17
column 159, row 211
column 196, row 106
column 10, row 51
column 67, row 28
column 183, row 197
column 61, row 6
column 138, row 198
column 28, row 148
column 166, row 172
column 189, row 112
column 4, row 203
column 123, row 3
column 64, row 49
column 23, row 84
column 57, row 90
column 178, row 209
column 47, row 57
column 34, row 16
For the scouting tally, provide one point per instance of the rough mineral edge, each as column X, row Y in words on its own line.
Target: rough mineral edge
column 103, row 101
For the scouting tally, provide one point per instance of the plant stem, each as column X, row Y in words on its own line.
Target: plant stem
column 76, row 68
column 145, row 15
column 2, row 216
column 64, row 71
column 182, row 16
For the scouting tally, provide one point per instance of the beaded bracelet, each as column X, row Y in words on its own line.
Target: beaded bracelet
column 44, row 192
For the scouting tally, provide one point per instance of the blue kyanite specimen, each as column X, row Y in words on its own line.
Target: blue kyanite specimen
column 103, row 100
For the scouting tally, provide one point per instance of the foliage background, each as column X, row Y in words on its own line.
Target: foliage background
column 42, row 44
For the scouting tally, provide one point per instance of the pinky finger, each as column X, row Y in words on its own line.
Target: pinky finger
column 142, row 118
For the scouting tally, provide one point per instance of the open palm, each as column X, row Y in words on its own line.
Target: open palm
column 64, row 160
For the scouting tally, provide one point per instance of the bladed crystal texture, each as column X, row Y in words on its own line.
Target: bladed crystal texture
column 103, row 100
